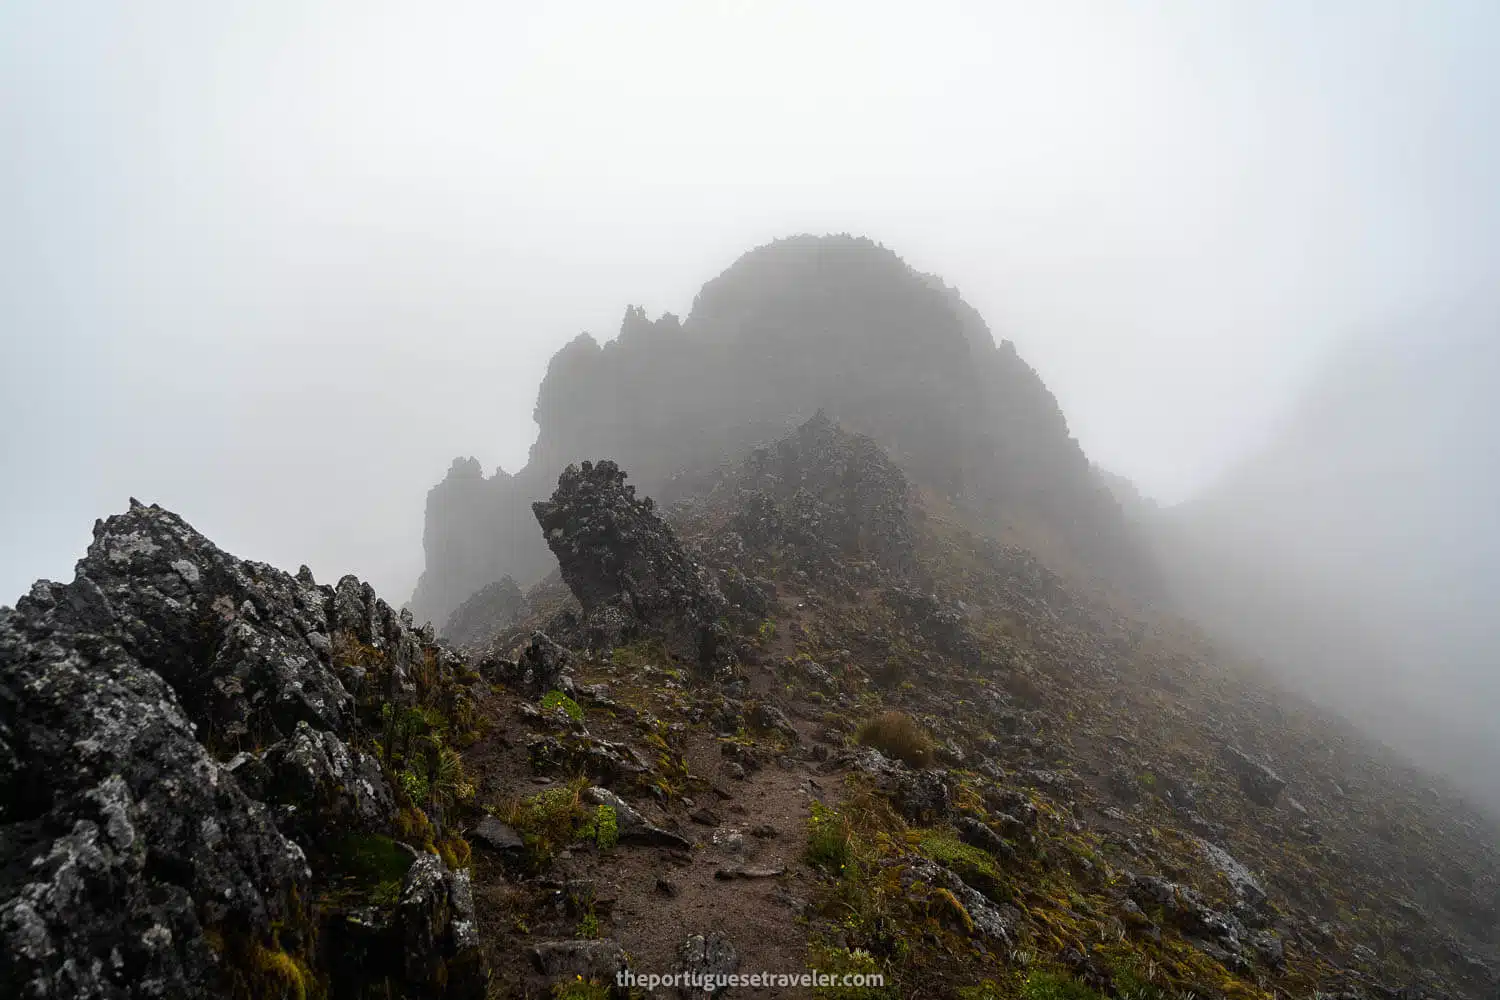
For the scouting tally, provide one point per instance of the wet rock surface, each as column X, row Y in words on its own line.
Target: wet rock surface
column 709, row 958
column 627, row 568
column 143, row 856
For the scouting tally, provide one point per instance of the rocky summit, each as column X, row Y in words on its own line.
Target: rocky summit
column 833, row 323
column 830, row 695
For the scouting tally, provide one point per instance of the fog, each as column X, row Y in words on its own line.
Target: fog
column 1357, row 552
column 274, row 265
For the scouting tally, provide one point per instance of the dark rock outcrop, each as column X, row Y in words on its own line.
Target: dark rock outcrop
column 632, row 826
column 437, row 932
column 541, row 666
column 627, row 568
column 148, row 846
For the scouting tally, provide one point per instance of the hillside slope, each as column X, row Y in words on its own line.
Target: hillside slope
column 816, row 718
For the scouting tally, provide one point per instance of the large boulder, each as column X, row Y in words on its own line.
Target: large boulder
column 627, row 568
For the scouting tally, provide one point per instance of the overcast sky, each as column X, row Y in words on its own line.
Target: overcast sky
column 273, row 264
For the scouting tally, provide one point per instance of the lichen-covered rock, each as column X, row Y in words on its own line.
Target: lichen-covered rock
column 597, row 959
column 921, row 795
column 542, row 664
column 627, row 568
column 769, row 718
column 123, row 840
column 631, row 826
column 1219, row 934
column 602, row 760
column 942, row 624
column 989, row 920
column 323, row 789
column 148, row 846
column 977, row 834
column 710, row 959
column 437, row 930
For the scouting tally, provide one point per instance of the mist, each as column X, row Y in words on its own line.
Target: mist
column 274, row 266
column 1357, row 553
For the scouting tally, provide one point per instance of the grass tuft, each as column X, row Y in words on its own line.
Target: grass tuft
column 897, row 735
column 551, row 820
column 829, row 840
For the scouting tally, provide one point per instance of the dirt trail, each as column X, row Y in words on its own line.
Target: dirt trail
column 650, row 899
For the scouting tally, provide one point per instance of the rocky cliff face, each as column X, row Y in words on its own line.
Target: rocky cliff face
column 189, row 758
column 804, row 324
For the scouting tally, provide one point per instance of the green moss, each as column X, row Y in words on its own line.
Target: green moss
column 553, row 700
column 413, row 827
column 643, row 653
column 455, row 852
column 386, row 894
column 368, row 869
column 949, row 906
column 257, row 972
column 279, row 969
column 1040, row 985
column 969, row 863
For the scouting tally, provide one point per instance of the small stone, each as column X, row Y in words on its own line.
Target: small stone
column 498, row 836
column 746, row 871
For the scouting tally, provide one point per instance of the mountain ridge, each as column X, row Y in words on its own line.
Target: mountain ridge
column 909, row 749
column 807, row 323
